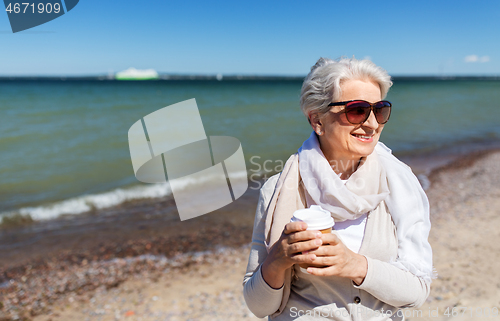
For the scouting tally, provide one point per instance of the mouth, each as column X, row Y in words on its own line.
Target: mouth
column 363, row 138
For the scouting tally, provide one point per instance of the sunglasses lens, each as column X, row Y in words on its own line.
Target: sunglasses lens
column 382, row 111
column 357, row 111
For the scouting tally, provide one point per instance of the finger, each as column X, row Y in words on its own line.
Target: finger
column 303, row 258
column 303, row 236
column 316, row 265
column 324, row 260
column 294, row 227
column 322, row 271
column 325, row 250
column 330, row 238
column 304, row 246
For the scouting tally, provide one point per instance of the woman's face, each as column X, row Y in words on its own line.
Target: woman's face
column 343, row 141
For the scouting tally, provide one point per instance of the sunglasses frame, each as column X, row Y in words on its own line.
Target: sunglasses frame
column 341, row 103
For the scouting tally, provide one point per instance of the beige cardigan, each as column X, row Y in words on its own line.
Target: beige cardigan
column 385, row 286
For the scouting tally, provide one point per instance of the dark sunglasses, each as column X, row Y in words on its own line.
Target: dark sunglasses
column 358, row 111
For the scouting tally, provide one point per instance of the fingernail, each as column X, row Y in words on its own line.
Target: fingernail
column 305, row 252
column 313, row 257
column 318, row 235
column 318, row 242
column 303, row 226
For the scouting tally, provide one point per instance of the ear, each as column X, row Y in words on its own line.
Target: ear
column 316, row 123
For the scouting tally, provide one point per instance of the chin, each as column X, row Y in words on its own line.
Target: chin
column 366, row 150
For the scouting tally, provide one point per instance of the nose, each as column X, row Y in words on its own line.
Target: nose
column 371, row 122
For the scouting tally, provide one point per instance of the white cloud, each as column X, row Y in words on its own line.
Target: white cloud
column 471, row 58
column 475, row 58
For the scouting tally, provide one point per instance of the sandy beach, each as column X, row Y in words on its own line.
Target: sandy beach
column 142, row 266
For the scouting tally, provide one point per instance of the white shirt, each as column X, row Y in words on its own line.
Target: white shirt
column 352, row 231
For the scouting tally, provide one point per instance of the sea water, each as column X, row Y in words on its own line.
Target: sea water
column 64, row 148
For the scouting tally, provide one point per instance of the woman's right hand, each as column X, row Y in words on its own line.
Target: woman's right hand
column 290, row 249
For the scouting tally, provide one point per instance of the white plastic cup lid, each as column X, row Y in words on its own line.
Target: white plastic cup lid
column 316, row 218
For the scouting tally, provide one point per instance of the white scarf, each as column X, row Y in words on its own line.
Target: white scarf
column 381, row 177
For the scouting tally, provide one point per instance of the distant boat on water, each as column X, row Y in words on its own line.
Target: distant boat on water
column 137, row 74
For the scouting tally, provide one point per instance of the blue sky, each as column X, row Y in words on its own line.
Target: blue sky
column 258, row 37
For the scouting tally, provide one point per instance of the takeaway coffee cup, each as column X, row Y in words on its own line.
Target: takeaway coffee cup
column 316, row 218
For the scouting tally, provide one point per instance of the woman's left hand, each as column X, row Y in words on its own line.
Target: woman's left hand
column 334, row 258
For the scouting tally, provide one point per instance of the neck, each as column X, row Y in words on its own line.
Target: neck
column 343, row 165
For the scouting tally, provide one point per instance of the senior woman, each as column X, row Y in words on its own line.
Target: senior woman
column 378, row 259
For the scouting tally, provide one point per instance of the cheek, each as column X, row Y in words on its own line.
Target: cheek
column 342, row 119
column 342, row 135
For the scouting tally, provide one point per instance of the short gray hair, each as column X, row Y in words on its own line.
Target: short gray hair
column 322, row 84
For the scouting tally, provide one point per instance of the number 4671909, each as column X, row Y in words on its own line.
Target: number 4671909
column 27, row 7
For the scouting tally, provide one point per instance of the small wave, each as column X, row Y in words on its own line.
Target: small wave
column 86, row 203
column 91, row 202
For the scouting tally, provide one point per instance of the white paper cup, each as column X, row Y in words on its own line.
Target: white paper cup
column 316, row 218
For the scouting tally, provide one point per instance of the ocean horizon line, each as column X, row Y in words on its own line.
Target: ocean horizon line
column 230, row 77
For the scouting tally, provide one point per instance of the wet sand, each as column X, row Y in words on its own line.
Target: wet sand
column 46, row 261
column 138, row 261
